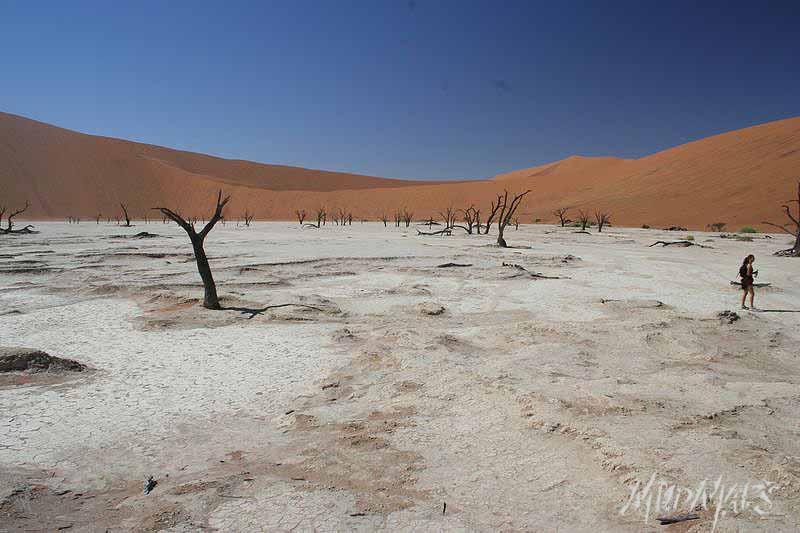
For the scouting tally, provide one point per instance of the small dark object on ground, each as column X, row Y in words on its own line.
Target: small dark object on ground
column 728, row 316
column 149, row 485
column 144, row 235
column 666, row 520
column 675, row 228
column 444, row 508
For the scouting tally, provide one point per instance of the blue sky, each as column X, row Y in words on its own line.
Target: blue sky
column 412, row 89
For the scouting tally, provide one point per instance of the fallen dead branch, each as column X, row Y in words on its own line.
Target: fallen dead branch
column 445, row 231
column 536, row 275
column 678, row 243
column 453, row 265
column 255, row 312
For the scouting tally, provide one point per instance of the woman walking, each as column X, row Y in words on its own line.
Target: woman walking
column 747, row 274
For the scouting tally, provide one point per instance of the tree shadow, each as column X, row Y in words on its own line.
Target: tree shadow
column 779, row 310
column 254, row 312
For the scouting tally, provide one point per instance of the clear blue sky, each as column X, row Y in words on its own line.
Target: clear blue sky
column 412, row 89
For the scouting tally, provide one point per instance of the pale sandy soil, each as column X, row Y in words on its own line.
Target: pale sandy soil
column 527, row 404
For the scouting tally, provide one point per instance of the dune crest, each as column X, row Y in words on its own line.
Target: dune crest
column 740, row 177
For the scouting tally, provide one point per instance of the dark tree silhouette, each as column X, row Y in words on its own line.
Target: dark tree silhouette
column 210, row 301
column 448, row 217
column 492, row 213
column 98, row 217
column 583, row 218
column 301, row 215
column 602, row 219
column 472, row 220
column 507, row 211
column 248, row 218
column 407, row 217
column 125, row 214
column 794, row 251
column 384, row 218
column 561, row 213
column 10, row 220
column 717, row 226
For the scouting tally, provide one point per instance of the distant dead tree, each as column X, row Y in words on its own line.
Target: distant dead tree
column 398, row 218
column 384, row 218
column 125, row 214
column 301, row 215
column 349, row 219
column 495, row 207
column 561, row 213
column 247, row 217
column 321, row 214
column 583, row 219
column 794, row 251
column 10, row 220
column 471, row 217
column 210, row 300
column 516, row 223
column 98, row 217
column 717, row 226
column 448, row 216
column 507, row 212
column 407, row 217
column 602, row 218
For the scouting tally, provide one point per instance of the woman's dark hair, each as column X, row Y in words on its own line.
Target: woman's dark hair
column 747, row 259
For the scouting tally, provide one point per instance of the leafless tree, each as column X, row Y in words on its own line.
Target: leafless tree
column 717, row 226
column 495, row 208
column 210, row 300
column 349, row 219
column 448, row 216
column 516, row 223
column 561, row 213
column 10, row 220
column 398, row 218
column 407, row 217
column 471, row 217
column 794, row 231
column 98, row 217
column 321, row 214
column 125, row 214
column 507, row 211
column 583, row 218
column 247, row 217
column 384, row 218
column 602, row 218
column 301, row 215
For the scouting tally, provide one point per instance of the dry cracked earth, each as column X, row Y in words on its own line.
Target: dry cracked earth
column 370, row 378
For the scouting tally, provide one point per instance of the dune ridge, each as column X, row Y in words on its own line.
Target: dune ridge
column 740, row 177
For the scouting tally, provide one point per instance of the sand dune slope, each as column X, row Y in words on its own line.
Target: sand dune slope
column 740, row 177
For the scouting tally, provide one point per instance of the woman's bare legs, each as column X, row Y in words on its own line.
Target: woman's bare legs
column 752, row 294
column 744, row 297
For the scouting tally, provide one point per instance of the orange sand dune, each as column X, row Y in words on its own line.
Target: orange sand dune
column 740, row 177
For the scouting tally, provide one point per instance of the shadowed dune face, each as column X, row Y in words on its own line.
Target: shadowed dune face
column 741, row 178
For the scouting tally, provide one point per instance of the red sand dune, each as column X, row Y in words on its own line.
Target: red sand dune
column 741, row 177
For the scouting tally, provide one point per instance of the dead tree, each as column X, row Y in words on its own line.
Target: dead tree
column 301, row 215
column 507, row 211
column 398, row 217
column 98, row 217
column 10, row 220
column 561, row 213
column 448, row 217
column 794, row 251
column 602, row 219
column 125, row 214
column 717, row 226
column 583, row 219
column 384, row 218
column 492, row 213
column 471, row 217
column 321, row 214
column 247, row 217
column 516, row 223
column 407, row 217
column 349, row 219
column 210, row 300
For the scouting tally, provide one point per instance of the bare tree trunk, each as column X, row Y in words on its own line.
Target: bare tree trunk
column 210, row 300
column 127, row 218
